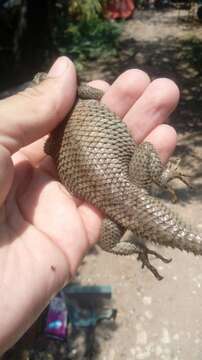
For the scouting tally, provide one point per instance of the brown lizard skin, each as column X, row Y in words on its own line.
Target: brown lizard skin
column 98, row 161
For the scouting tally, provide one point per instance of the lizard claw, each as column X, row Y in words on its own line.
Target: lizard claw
column 172, row 172
column 175, row 173
column 143, row 257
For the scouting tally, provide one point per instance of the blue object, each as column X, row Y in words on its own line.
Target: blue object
column 57, row 324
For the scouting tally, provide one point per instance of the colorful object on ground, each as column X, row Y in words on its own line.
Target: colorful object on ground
column 80, row 318
column 89, row 290
column 56, row 323
column 119, row 9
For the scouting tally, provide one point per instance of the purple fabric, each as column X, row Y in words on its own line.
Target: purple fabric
column 56, row 323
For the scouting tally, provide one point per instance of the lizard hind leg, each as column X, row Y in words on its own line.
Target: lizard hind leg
column 146, row 168
column 117, row 240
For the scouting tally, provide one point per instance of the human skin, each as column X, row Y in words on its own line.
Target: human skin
column 44, row 231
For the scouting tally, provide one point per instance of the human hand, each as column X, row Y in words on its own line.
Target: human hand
column 44, row 231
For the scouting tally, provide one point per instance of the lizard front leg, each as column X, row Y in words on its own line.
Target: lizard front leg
column 146, row 168
column 117, row 240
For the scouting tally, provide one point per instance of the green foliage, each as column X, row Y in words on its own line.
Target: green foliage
column 92, row 39
column 84, row 34
column 86, row 10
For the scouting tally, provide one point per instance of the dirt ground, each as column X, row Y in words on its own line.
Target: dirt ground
column 158, row 320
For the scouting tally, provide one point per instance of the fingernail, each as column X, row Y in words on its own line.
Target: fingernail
column 59, row 67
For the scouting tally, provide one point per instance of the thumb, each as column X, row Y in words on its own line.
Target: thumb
column 32, row 113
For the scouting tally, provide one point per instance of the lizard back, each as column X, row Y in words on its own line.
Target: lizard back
column 92, row 149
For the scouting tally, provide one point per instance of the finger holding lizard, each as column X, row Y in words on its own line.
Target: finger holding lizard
column 144, row 106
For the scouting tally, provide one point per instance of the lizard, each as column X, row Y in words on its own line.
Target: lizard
column 98, row 161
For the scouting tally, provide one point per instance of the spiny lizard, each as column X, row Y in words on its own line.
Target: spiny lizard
column 98, row 161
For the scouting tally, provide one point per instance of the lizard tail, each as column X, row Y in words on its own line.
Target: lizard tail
column 154, row 221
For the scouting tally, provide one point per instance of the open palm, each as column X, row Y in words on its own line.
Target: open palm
column 44, row 230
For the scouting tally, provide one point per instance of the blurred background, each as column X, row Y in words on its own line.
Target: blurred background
column 91, row 32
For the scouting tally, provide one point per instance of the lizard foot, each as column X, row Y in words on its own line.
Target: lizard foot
column 39, row 77
column 144, row 258
column 172, row 172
